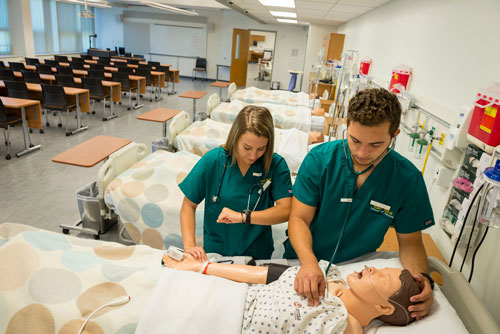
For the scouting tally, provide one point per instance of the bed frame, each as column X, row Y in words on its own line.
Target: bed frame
column 212, row 102
column 178, row 123
column 474, row 315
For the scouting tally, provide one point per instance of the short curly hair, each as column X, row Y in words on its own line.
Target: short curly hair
column 374, row 106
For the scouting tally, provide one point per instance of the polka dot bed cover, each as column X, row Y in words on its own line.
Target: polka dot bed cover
column 256, row 95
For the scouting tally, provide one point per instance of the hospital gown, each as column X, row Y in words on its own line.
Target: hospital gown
column 277, row 308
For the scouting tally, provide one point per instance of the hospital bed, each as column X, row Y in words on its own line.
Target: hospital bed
column 51, row 282
column 284, row 116
column 202, row 136
column 253, row 95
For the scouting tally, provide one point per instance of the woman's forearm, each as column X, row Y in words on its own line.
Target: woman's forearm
column 273, row 215
column 188, row 223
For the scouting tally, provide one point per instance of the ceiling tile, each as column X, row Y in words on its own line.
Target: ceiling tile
column 351, row 9
column 366, row 3
column 313, row 5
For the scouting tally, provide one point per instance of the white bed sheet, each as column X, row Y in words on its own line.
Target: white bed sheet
column 284, row 116
column 254, row 95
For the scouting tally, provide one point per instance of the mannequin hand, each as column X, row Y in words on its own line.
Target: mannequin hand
column 310, row 282
column 229, row 216
column 188, row 263
column 424, row 298
column 198, row 253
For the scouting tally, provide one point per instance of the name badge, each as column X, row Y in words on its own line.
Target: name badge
column 257, row 174
column 380, row 205
column 346, row 200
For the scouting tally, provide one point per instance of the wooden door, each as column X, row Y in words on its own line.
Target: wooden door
column 239, row 57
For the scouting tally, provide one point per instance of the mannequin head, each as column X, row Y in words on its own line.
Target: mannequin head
column 380, row 293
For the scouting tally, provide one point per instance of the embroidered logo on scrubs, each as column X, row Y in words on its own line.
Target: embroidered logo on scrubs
column 428, row 222
column 381, row 208
column 297, row 315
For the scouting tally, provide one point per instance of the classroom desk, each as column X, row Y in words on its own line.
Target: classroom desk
column 114, row 89
column 173, row 76
column 195, row 95
column 220, row 84
column 137, row 82
column 34, row 109
column 253, row 56
column 162, row 115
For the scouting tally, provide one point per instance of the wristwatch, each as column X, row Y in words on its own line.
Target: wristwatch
column 248, row 215
column 426, row 275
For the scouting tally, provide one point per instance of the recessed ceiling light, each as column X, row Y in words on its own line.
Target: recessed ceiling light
column 283, row 14
column 278, row 3
column 286, row 21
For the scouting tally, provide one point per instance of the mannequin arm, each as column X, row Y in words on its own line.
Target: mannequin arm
column 234, row 272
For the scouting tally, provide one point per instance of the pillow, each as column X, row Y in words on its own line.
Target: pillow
column 442, row 317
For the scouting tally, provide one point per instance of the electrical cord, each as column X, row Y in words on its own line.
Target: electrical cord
column 470, row 236
column 115, row 302
column 475, row 252
column 463, row 225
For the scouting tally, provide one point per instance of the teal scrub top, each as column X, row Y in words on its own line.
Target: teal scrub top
column 236, row 239
column 393, row 194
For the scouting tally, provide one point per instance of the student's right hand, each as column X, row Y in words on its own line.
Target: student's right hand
column 197, row 252
column 310, row 282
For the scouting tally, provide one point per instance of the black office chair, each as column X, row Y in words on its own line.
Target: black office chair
column 146, row 66
column 63, row 59
column 65, row 70
column 44, row 69
column 121, row 51
column 120, row 64
column 166, row 70
column 31, row 77
column 97, row 74
column 77, row 60
column 122, row 78
column 136, row 55
column 54, row 98
column 102, row 61
column 133, row 61
column 2, row 65
column 98, row 67
column 77, row 66
column 154, row 63
column 17, row 89
column 6, row 121
column 200, row 67
column 65, row 80
column 50, row 62
column 129, row 70
column 87, row 57
column 15, row 66
column 32, row 61
column 7, row 75
column 145, row 72
column 94, row 85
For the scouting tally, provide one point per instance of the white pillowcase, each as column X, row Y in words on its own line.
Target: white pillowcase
column 442, row 318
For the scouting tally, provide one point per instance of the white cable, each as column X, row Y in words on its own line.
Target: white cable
column 115, row 302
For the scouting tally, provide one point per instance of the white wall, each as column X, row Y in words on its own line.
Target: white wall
column 267, row 44
column 314, row 43
column 453, row 47
column 219, row 39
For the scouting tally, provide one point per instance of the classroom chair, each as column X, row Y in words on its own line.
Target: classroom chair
column 31, row 77
column 146, row 72
column 133, row 61
column 63, row 59
column 15, row 66
column 86, row 57
column 17, row 89
column 65, row 80
column 54, row 98
column 122, row 78
column 97, row 74
column 129, row 70
column 6, row 121
column 65, row 70
column 120, row 64
column 200, row 67
column 77, row 66
column 32, row 61
column 6, row 74
column 44, row 69
column 103, row 61
column 50, row 62
column 98, row 67
column 2, row 65
column 77, row 60
column 96, row 90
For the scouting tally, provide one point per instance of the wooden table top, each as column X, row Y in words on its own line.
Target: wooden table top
column 91, row 152
column 159, row 115
column 220, row 84
column 34, row 87
column 193, row 94
column 10, row 102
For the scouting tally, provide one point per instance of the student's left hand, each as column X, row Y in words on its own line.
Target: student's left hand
column 228, row 216
column 424, row 299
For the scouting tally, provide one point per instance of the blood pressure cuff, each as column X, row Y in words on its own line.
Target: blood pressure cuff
column 274, row 271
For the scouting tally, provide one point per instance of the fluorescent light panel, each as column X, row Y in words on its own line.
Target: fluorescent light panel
column 286, row 21
column 278, row 3
column 170, row 8
column 283, row 14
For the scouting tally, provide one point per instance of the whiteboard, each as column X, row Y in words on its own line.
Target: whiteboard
column 178, row 40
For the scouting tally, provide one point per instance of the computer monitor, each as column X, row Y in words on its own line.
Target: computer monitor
column 121, row 50
column 267, row 54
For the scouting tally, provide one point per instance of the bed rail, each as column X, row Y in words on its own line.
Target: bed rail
column 474, row 314
column 212, row 102
column 177, row 125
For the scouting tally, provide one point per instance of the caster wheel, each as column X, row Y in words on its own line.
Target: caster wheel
column 59, row 125
column 128, row 108
column 7, row 157
column 104, row 119
column 96, row 236
column 47, row 124
column 120, row 103
column 150, row 100
column 93, row 112
column 31, row 145
column 31, row 130
column 65, row 231
column 67, row 134
column 41, row 131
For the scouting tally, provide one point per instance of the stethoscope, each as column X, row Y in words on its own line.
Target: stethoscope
column 261, row 187
column 349, row 200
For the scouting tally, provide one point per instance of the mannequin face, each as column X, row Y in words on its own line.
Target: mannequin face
column 250, row 147
column 375, row 286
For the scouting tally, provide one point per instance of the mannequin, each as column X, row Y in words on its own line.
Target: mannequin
column 372, row 293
